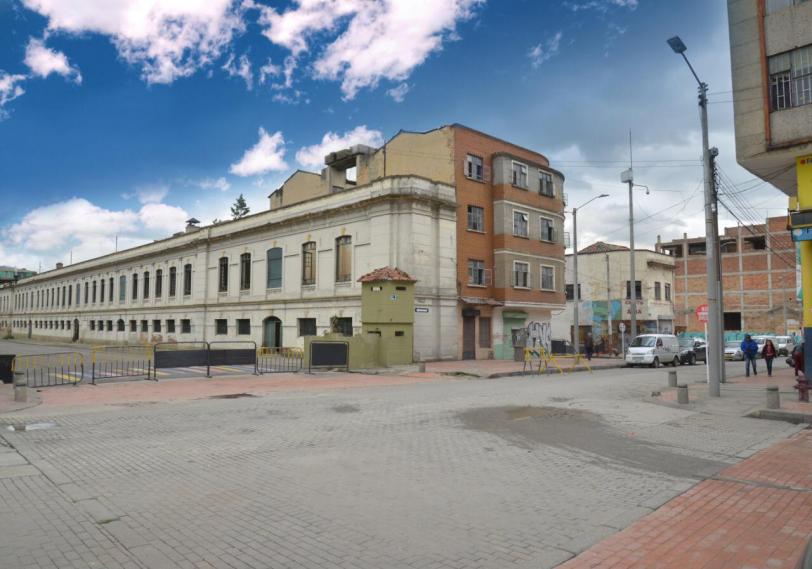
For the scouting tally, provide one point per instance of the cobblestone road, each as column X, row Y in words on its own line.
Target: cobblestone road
column 509, row 473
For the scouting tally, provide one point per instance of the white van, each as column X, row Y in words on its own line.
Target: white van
column 653, row 350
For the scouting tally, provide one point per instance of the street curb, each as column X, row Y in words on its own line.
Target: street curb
column 550, row 371
column 793, row 417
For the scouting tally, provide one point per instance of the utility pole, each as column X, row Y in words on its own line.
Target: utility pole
column 713, row 153
column 715, row 345
column 628, row 177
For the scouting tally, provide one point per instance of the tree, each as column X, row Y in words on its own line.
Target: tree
column 240, row 208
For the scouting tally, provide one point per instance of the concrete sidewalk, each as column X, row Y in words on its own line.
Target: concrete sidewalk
column 508, row 368
column 755, row 514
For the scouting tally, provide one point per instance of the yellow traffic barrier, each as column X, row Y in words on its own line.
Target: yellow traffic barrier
column 545, row 359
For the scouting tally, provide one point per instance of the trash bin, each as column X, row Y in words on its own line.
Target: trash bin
column 6, row 363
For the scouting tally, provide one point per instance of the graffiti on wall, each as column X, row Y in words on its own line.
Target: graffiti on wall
column 539, row 334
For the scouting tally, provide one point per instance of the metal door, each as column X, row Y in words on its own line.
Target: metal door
column 468, row 338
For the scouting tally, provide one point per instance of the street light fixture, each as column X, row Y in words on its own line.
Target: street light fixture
column 715, row 331
column 576, row 297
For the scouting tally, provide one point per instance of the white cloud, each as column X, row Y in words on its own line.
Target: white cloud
column 313, row 156
column 266, row 155
column 545, row 50
column 9, row 90
column 270, row 69
column 241, row 68
column 152, row 194
column 398, row 93
column 383, row 39
column 214, row 184
column 602, row 6
column 50, row 233
column 166, row 39
column 43, row 61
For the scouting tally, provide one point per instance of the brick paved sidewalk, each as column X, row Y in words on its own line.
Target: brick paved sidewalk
column 755, row 514
column 72, row 397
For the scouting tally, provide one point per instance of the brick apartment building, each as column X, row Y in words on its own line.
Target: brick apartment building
column 758, row 279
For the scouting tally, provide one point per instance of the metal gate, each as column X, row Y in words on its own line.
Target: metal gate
column 46, row 370
column 181, row 354
column 232, row 353
column 279, row 360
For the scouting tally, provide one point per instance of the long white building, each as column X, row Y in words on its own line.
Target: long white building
column 271, row 277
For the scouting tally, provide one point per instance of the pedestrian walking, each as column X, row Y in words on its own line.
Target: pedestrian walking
column 750, row 350
column 769, row 352
column 798, row 359
column 589, row 346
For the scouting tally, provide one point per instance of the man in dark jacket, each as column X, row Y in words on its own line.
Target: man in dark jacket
column 750, row 350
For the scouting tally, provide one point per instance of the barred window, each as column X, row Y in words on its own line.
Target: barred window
column 344, row 259
column 222, row 275
column 791, row 78
column 245, row 271
column 309, row 263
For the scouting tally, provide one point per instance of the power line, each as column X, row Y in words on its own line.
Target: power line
column 754, row 234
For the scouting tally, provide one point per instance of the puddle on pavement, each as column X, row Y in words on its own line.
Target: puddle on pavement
column 31, row 427
column 231, row 396
column 577, row 430
column 347, row 409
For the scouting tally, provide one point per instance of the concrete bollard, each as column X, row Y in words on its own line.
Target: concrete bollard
column 773, row 398
column 682, row 394
column 672, row 378
column 20, row 387
column 421, row 367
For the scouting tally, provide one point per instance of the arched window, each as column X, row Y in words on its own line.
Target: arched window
column 309, row 263
column 135, row 286
column 344, row 259
column 159, row 283
column 146, row 284
column 120, row 325
column 187, row 279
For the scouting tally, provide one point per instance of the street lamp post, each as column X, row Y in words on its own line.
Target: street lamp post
column 714, row 284
column 576, row 340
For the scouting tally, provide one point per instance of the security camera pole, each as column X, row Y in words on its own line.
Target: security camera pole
column 715, row 352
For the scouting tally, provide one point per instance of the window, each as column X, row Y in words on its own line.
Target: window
column 144, row 326
column 274, row 268
column 87, row 296
column 519, row 174
column 520, row 275
column 101, row 290
column 638, row 290
column 222, row 275
column 187, row 279
column 309, row 263
column 185, row 326
column 100, row 325
column 473, row 167
column 173, row 278
column 520, row 223
column 484, row 332
column 146, row 284
column 110, row 293
column 777, row 5
column 221, row 326
column 547, row 229
column 92, row 325
column 668, row 291
column 245, row 271
column 122, row 288
column 546, row 187
column 791, row 78
column 70, row 294
column 120, row 325
column 343, row 326
column 170, row 326
column 307, row 326
column 243, row 326
column 109, row 325
column 344, row 259
column 156, row 325
column 159, row 283
column 135, row 286
column 569, row 289
column 547, row 277
column 476, row 272
column 133, row 326
column 94, row 292
column 657, row 294
column 476, row 218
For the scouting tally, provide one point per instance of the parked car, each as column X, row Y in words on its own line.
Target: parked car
column 653, row 350
column 784, row 345
column 761, row 340
column 692, row 350
column 733, row 351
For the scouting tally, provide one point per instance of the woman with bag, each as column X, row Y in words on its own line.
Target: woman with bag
column 769, row 352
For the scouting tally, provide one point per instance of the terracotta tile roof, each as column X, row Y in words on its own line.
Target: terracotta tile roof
column 386, row 274
column 601, row 247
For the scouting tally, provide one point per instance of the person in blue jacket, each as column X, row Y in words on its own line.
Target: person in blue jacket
column 750, row 350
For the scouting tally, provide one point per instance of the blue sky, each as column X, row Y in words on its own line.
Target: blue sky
column 125, row 121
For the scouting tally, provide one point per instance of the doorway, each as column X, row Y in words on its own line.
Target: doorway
column 75, row 330
column 468, row 337
column 272, row 332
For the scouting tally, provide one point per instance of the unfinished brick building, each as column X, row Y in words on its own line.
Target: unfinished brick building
column 758, row 279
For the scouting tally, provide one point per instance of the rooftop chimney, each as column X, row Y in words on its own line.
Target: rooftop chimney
column 191, row 225
column 59, row 265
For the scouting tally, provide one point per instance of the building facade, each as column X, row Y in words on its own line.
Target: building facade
column 477, row 221
column 605, row 294
column 758, row 278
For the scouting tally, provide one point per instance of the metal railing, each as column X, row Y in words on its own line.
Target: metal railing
column 111, row 362
column 279, row 360
column 46, row 370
